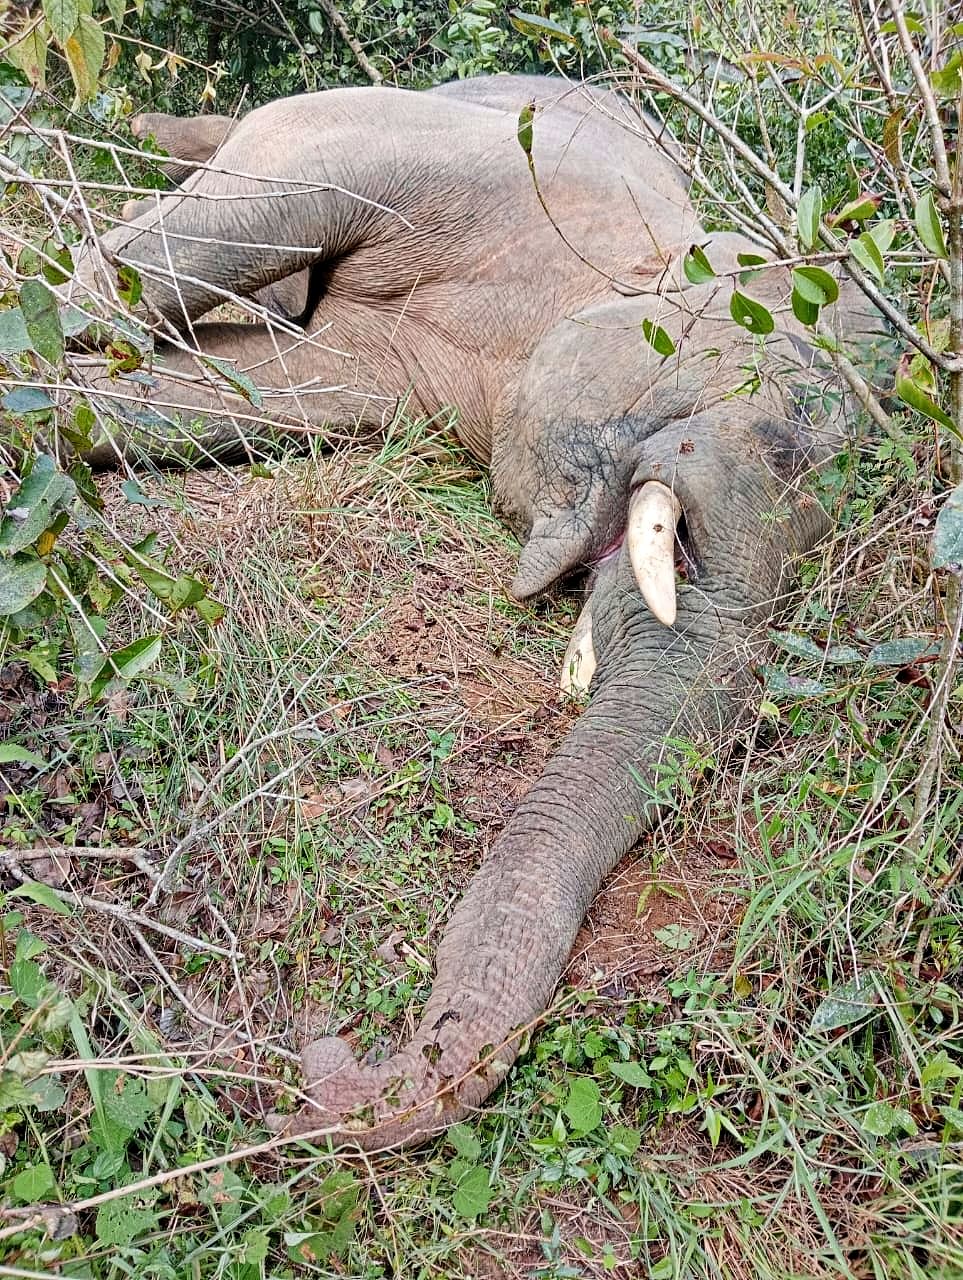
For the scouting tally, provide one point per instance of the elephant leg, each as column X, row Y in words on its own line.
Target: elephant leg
column 245, row 391
column 297, row 183
column 192, row 140
column 291, row 298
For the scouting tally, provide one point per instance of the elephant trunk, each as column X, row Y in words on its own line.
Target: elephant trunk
column 508, row 941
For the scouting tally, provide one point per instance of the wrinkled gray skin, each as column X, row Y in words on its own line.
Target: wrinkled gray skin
column 435, row 269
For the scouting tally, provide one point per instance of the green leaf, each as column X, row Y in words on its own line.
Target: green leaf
column 41, row 317
column 84, row 51
column 138, row 656
column 28, row 52
column 42, row 894
column 900, row 652
column 464, row 1141
column 34, row 1183
column 531, row 24
column 116, row 9
column 948, row 534
column 128, row 662
column 799, row 646
column 22, row 579
column 211, row 610
column 808, row 216
column 843, row 655
column 29, row 946
column 953, row 1117
column 525, row 129
column 879, row 1119
column 948, row 79
column 120, row 1222
column 889, row 27
column 696, row 266
column 928, row 225
column 815, row 285
column 624, row 1141
column 797, row 686
column 28, row 982
column 910, row 392
column 583, row 1106
column 846, row 1005
column 13, row 333
column 805, row 311
column 255, row 1246
column 223, row 1192
column 473, row 1193
column 858, row 210
column 44, row 1093
column 750, row 260
column 866, row 252
column 87, row 632
column 13, row 753
column 308, row 1247
column 713, row 1120
column 657, row 338
column 62, row 271
column 752, row 315
column 136, row 496
column 23, row 400
column 32, row 509
column 882, row 234
column 176, row 593
column 62, row 16
column 130, row 287
column 675, row 936
column 240, row 382
column 633, row 1073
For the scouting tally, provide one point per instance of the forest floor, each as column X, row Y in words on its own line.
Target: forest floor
column 751, row 1068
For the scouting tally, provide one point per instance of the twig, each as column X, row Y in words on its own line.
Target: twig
column 346, row 34
column 745, row 153
column 108, row 853
column 81, row 901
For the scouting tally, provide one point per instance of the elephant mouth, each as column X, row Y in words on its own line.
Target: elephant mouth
column 609, row 552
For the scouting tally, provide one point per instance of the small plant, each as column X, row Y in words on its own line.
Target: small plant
column 62, row 575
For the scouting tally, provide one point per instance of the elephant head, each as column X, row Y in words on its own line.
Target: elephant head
column 648, row 441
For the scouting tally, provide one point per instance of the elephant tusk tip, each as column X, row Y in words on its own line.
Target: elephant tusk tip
column 662, row 605
column 579, row 663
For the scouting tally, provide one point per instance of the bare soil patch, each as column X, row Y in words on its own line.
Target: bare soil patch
column 647, row 925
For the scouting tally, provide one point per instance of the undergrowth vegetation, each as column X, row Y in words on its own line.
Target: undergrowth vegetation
column 257, row 728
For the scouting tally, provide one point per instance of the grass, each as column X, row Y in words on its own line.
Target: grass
column 753, row 1067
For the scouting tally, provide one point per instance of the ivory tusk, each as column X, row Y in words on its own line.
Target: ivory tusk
column 578, row 665
column 653, row 514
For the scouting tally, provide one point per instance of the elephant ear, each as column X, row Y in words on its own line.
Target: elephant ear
column 557, row 545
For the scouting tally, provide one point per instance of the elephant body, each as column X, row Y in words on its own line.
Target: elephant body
column 435, row 270
column 430, row 259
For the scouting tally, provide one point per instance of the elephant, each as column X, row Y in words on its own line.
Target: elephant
column 423, row 247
